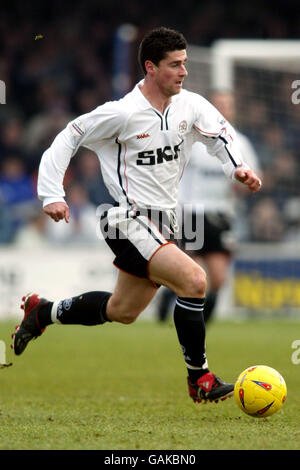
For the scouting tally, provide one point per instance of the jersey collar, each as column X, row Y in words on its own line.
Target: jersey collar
column 141, row 100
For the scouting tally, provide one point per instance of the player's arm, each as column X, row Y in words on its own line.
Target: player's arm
column 58, row 211
column 220, row 139
column 225, row 147
column 84, row 131
column 248, row 178
column 53, row 165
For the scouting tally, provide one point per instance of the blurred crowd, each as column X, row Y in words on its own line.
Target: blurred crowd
column 57, row 63
column 271, row 120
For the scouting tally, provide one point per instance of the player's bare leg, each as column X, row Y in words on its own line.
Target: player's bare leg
column 130, row 297
column 173, row 268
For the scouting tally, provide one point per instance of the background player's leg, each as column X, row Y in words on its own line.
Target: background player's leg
column 166, row 301
column 217, row 264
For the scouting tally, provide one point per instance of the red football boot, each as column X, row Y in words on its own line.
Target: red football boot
column 30, row 327
column 210, row 387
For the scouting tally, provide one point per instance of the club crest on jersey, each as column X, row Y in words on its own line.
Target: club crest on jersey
column 182, row 127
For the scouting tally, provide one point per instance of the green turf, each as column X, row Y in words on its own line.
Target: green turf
column 124, row 387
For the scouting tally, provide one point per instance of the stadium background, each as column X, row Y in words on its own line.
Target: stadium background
column 58, row 61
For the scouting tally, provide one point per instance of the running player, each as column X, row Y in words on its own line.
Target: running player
column 205, row 192
column 143, row 142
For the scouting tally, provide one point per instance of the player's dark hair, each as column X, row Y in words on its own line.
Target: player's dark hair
column 157, row 43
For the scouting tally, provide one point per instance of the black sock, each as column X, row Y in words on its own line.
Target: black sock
column 190, row 327
column 210, row 303
column 85, row 309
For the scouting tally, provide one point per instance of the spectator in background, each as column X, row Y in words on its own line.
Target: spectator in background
column 271, row 142
column 32, row 235
column 87, row 99
column 283, row 190
column 6, row 225
column 278, row 203
column 285, row 174
column 12, row 136
column 266, row 222
column 90, row 92
column 17, row 190
column 40, row 130
column 253, row 117
column 54, row 113
column 82, row 226
column 292, row 211
column 90, row 177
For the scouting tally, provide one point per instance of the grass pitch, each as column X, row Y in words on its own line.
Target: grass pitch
column 123, row 387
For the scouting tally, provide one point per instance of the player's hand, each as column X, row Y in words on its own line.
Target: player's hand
column 249, row 178
column 58, row 211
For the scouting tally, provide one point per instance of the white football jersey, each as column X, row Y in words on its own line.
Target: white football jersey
column 142, row 153
column 204, row 184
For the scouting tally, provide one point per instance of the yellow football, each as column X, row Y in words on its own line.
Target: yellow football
column 260, row 391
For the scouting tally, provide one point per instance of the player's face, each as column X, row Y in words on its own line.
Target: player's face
column 171, row 72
